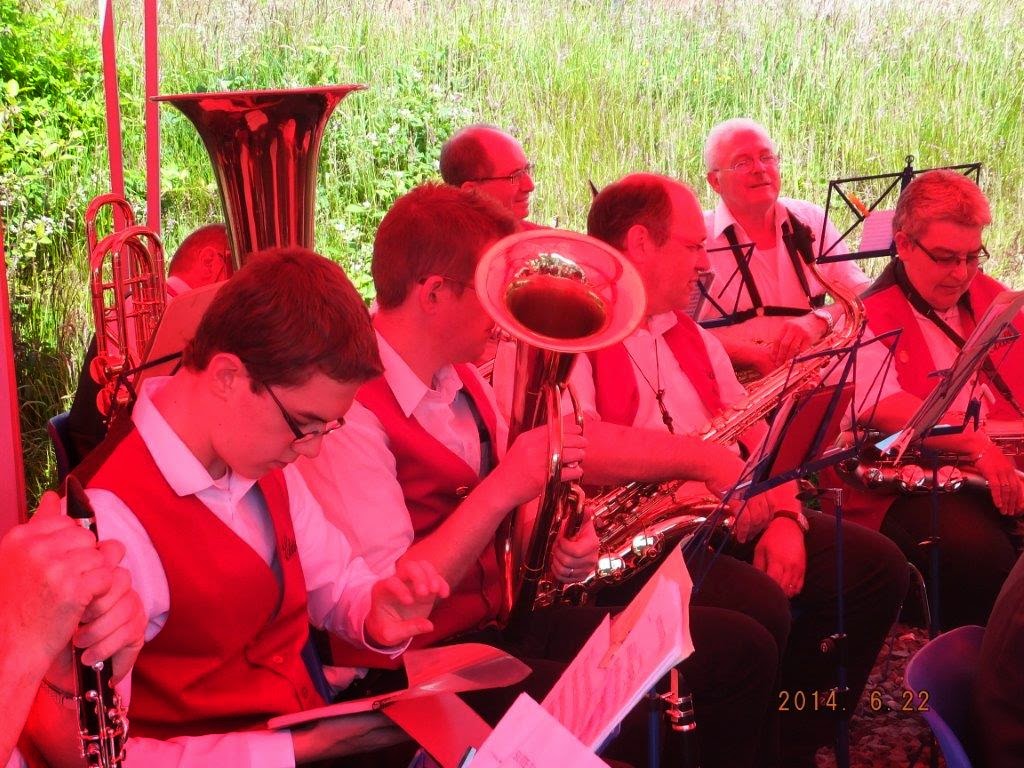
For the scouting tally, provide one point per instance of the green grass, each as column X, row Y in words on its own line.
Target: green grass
column 592, row 89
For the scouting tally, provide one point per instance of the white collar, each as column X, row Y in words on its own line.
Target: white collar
column 408, row 388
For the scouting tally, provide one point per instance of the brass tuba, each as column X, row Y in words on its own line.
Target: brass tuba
column 637, row 521
column 557, row 294
column 127, row 287
column 265, row 147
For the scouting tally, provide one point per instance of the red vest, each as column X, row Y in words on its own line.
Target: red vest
column 434, row 481
column 615, row 384
column 887, row 308
column 229, row 656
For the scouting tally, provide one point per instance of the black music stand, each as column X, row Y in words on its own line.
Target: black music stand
column 845, row 206
column 800, row 442
column 725, row 314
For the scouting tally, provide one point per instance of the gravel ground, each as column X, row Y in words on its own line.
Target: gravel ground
column 881, row 735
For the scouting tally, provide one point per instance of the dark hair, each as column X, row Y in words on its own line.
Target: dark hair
column 940, row 195
column 640, row 198
column 188, row 253
column 433, row 230
column 287, row 314
column 463, row 156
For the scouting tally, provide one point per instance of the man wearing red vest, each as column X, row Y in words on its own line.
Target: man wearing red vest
column 421, row 466
column 230, row 554
column 670, row 375
column 935, row 292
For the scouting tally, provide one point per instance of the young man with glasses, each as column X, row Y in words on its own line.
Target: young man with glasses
column 485, row 158
column 934, row 292
column 768, row 309
column 230, row 554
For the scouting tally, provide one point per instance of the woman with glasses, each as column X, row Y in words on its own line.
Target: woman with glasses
column 764, row 305
column 934, row 292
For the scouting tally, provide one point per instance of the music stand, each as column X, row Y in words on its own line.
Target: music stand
column 873, row 217
column 706, row 280
column 799, row 443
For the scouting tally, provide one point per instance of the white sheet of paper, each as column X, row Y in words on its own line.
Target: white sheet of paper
column 528, row 737
column 877, row 232
column 623, row 659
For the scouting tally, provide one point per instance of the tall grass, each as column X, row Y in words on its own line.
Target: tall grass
column 592, row 89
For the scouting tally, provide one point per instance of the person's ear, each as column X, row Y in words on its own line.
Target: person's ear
column 430, row 293
column 712, row 177
column 226, row 374
column 638, row 241
column 902, row 241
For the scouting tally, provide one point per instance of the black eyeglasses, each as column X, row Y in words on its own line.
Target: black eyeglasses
column 970, row 258
column 303, row 438
column 767, row 159
column 516, row 177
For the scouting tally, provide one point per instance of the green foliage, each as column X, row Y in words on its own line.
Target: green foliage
column 593, row 89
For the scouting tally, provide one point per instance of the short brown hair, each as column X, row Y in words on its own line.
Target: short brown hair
column 433, row 230
column 940, row 195
column 640, row 198
column 463, row 156
column 287, row 314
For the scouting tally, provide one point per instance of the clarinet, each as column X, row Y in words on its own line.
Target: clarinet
column 681, row 745
column 102, row 725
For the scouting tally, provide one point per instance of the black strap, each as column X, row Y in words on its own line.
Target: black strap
column 483, row 432
column 926, row 310
column 799, row 240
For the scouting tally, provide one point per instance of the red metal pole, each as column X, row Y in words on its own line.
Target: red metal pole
column 112, row 99
column 152, row 58
column 12, row 472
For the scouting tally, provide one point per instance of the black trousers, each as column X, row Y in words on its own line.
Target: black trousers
column 874, row 583
column 975, row 551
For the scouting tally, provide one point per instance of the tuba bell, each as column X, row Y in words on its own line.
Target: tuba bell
column 265, row 148
column 557, row 294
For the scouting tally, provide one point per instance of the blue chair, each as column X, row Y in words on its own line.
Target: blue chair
column 945, row 669
column 63, row 448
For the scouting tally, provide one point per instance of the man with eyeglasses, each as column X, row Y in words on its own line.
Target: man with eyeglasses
column 934, row 292
column 767, row 309
column 229, row 552
column 485, row 158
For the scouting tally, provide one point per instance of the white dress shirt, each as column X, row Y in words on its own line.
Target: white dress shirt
column 777, row 281
column 355, row 477
column 338, row 584
column 682, row 401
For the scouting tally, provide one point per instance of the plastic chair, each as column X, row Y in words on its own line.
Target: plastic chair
column 945, row 669
column 63, row 448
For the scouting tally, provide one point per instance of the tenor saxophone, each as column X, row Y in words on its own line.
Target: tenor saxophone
column 637, row 521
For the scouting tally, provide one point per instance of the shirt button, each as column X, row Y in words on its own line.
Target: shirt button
column 462, row 491
column 278, row 659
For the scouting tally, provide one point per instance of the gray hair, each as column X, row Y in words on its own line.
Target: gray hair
column 718, row 135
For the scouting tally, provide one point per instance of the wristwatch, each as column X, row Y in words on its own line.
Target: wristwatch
column 797, row 517
column 825, row 315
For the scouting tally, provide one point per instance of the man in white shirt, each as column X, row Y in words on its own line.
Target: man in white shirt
column 766, row 310
column 671, row 375
column 56, row 583
column 935, row 292
column 229, row 552
column 421, row 466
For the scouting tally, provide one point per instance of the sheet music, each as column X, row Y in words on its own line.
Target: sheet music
column 528, row 737
column 1004, row 308
column 625, row 658
column 877, row 232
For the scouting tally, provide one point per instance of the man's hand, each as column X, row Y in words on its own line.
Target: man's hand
column 574, row 559
column 114, row 623
column 346, row 735
column 1003, row 481
column 524, row 470
column 401, row 603
column 795, row 335
column 51, row 570
column 750, row 517
column 781, row 554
